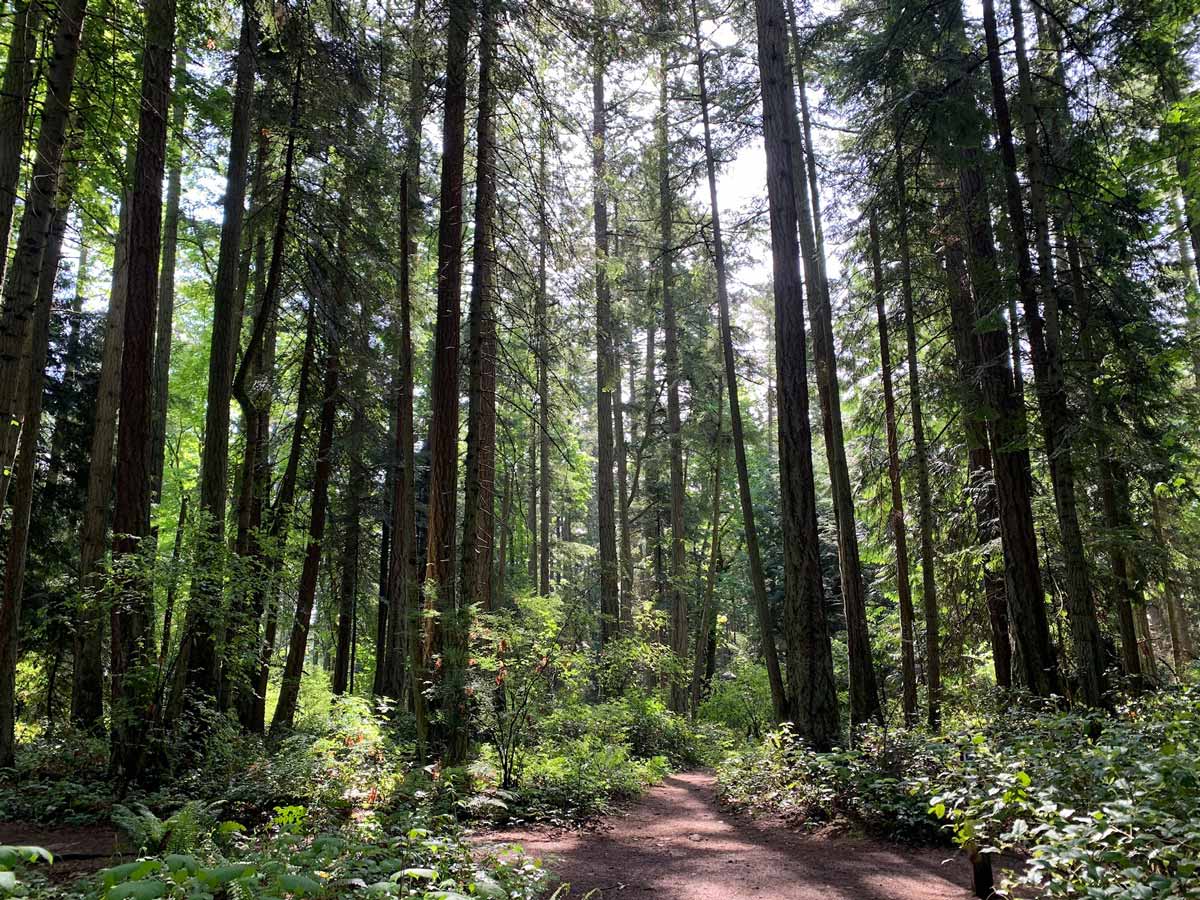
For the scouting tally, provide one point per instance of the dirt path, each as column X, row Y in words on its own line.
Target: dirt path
column 677, row 843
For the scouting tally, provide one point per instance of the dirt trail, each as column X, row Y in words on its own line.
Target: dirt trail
column 677, row 843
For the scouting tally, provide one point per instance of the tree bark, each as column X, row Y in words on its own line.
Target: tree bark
column 23, row 274
column 607, row 379
column 479, row 501
column 703, row 658
column 1044, row 347
column 541, row 323
column 199, row 656
column 766, row 623
column 18, row 535
column 864, row 693
column 166, row 284
column 133, row 616
column 814, row 703
column 447, row 634
column 15, row 95
column 293, row 670
column 908, row 664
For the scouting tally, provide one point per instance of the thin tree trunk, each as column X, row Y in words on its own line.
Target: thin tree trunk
column 198, row 656
column 166, row 283
column 479, row 500
column 677, row 596
column 88, row 676
column 58, row 440
column 543, row 372
column 806, row 630
column 707, row 612
column 172, row 583
column 447, row 634
column 293, row 670
column 607, row 379
column 15, row 91
column 766, row 623
column 505, row 530
column 23, row 274
column 133, row 616
column 908, row 664
column 531, row 523
column 864, row 692
column 18, row 535
column 933, row 663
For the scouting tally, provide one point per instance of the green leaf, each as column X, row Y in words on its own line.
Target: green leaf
column 137, row 890
column 416, row 873
column 300, row 885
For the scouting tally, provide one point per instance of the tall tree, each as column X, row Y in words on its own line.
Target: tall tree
column 198, row 656
column 133, row 616
column 448, row 633
column 607, row 379
column 766, row 623
column 479, row 505
column 806, row 629
column 15, row 94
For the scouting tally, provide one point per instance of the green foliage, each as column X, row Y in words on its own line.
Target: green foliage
column 12, row 862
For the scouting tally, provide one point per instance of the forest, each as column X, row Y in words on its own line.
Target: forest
column 590, row 448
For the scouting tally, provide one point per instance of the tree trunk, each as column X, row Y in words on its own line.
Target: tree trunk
column 766, row 623
column 88, row 678
column 703, row 657
column 447, row 635
column 980, row 477
column 479, row 501
column 933, row 664
column 198, row 655
column 1007, row 427
column 806, row 629
column 531, row 523
column 166, row 284
column 58, row 440
column 18, row 535
column 15, row 95
column 543, row 372
column 293, row 670
column 1044, row 347
column 172, row 583
column 23, row 274
column 505, row 530
column 677, row 595
column 864, row 693
column 133, row 615
column 607, row 379
column 908, row 664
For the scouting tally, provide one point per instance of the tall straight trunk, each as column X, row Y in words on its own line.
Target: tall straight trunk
column 607, row 379
column 133, row 616
column 199, row 656
column 18, row 535
column 1044, row 347
column 15, row 95
column 652, row 530
column 814, row 704
column 933, row 664
column 1182, row 650
column 1006, row 425
column 505, row 529
column 677, row 594
column 864, row 692
column 908, row 664
column 405, row 650
column 625, row 547
column 293, row 670
column 766, row 624
column 343, row 660
column 707, row 617
column 980, row 477
column 543, row 373
column 164, row 647
column 479, row 500
column 88, row 677
column 22, row 276
column 166, row 283
column 531, row 513
column 447, row 635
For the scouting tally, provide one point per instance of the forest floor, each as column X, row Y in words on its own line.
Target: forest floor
column 676, row 842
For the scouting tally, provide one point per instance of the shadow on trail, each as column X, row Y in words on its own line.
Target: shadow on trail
column 677, row 843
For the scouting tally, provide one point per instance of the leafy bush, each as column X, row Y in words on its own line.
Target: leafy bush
column 584, row 777
column 639, row 721
column 866, row 787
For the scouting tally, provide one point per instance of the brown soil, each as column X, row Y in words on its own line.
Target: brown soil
column 78, row 849
column 677, row 843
